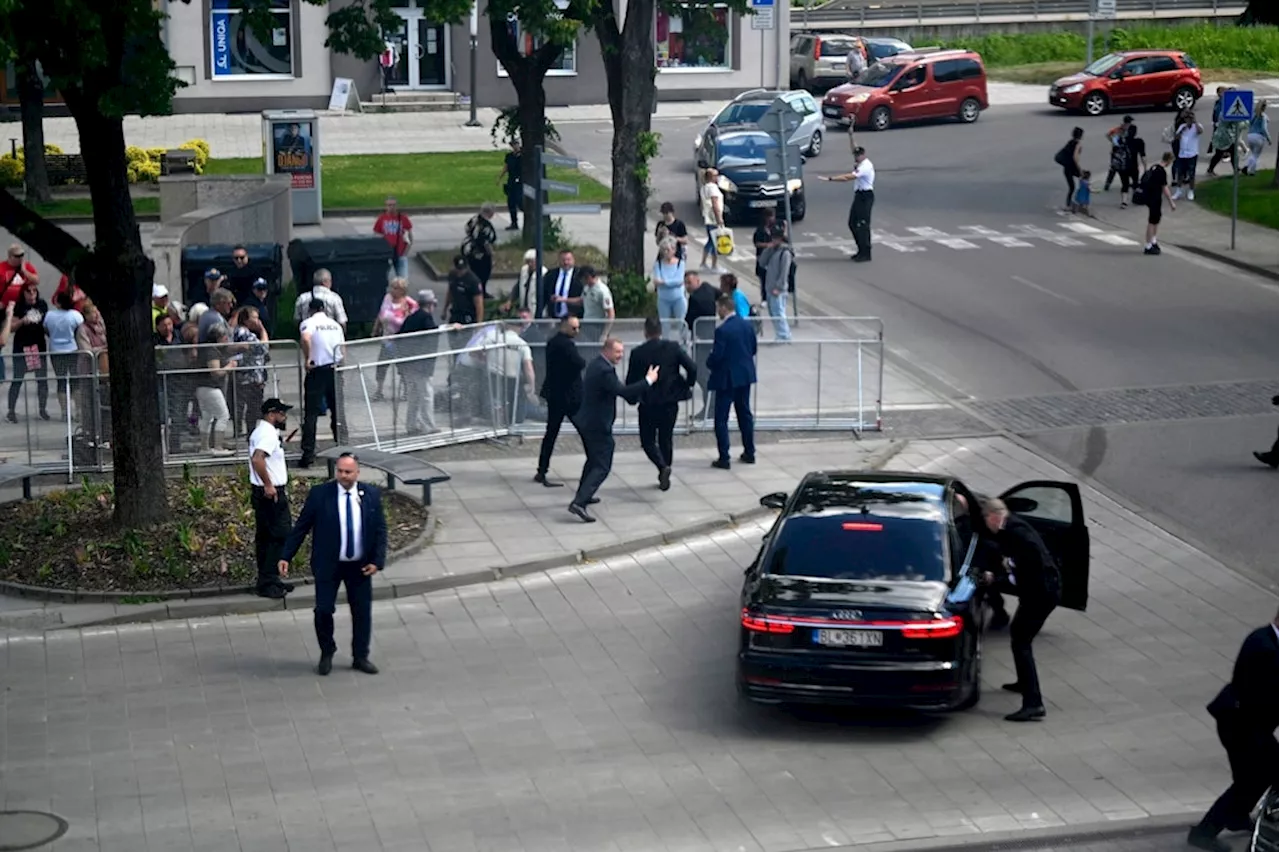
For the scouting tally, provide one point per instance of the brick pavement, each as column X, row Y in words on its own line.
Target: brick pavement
column 592, row 708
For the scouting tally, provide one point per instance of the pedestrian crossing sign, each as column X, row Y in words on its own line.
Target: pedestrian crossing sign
column 1237, row 105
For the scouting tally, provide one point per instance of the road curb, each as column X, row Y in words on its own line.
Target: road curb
column 304, row 599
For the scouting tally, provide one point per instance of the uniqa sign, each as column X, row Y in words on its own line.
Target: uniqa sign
column 221, row 48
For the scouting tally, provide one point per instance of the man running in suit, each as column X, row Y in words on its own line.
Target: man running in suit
column 732, row 364
column 348, row 546
column 660, row 404
column 562, row 390
column 1247, row 712
column 600, row 392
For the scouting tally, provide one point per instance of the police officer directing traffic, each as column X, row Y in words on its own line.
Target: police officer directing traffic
column 268, row 478
column 864, row 196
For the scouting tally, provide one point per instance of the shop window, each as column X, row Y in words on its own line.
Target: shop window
column 238, row 53
column 699, row 37
column 527, row 43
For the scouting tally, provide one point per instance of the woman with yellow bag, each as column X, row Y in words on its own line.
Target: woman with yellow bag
column 713, row 217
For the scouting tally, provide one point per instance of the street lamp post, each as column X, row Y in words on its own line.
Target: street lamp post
column 475, row 26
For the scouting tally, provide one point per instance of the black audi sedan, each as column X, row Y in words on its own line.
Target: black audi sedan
column 865, row 591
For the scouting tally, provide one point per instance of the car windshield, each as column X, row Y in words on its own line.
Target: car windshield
column 745, row 149
column 878, row 74
column 861, row 547
column 836, row 47
column 743, row 113
column 1104, row 65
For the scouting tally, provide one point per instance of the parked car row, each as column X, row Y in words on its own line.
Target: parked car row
column 820, row 61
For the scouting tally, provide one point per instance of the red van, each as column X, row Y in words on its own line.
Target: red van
column 911, row 86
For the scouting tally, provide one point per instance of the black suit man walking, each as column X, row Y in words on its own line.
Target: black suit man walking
column 702, row 305
column 562, row 390
column 1247, row 712
column 1032, row 575
column 600, row 392
column 660, row 404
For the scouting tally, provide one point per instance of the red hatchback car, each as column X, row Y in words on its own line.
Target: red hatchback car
column 913, row 85
column 1131, row 78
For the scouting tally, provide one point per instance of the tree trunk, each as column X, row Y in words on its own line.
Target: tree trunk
column 531, row 104
column 118, row 276
column 31, row 98
column 628, row 54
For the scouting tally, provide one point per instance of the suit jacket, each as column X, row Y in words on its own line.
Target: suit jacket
column 1035, row 573
column 732, row 361
column 563, row 384
column 702, row 303
column 600, row 391
column 549, row 282
column 320, row 517
column 670, row 358
column 1249, row 702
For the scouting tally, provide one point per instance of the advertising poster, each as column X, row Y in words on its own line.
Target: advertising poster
column 293, row 152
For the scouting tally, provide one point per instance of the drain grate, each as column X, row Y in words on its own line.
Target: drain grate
column 29, row 829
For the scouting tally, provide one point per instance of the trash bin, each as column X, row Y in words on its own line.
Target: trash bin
column 358, row 265
column 266, row 260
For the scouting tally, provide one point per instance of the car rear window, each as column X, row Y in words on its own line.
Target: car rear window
column 835, row 46
column 858, row 546
column 1186, row 60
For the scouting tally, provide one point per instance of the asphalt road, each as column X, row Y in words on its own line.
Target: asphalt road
column 1023, row 302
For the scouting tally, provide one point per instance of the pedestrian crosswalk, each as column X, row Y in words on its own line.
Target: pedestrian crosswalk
column 819, row 245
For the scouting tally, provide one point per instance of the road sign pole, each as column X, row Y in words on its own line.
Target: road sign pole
column 1088, row 54
column 1237, row 108
column 1235, row 201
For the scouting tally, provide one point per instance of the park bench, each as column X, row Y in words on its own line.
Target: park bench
column 13, row 472
column 178, row 161
column 406, row 468
column 65, row 168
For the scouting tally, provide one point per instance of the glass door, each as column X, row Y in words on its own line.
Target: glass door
column 398, row 77
column 433, row 54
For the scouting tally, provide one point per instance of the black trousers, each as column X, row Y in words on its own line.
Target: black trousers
column 19, row 372
column 360, row 601
column 556, row 415
column 1252, row 756
column 1027, row 621
column 860, row 220
column 599, row 447
column 515, row 194
column 248, row 406
column 318, row 388
column 657, row 426
column 272, row 521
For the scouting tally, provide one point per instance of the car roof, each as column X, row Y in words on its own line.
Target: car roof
column 883, row 40
column 844, row 492
column 925, row 55
column 1132, row 54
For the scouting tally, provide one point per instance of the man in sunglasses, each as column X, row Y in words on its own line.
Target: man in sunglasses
column 15, row 273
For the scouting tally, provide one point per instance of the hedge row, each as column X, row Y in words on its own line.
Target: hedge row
column 143, row 163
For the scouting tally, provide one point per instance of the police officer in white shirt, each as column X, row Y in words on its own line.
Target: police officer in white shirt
column 268, row 478
column 322, row 344
column 864, row 196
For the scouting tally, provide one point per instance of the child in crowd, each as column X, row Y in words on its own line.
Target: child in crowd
column 1081, row 204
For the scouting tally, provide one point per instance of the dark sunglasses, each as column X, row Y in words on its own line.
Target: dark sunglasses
column 17, row 255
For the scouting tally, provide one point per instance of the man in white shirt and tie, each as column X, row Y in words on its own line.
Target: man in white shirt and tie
column 864, row 196
column 563, row 289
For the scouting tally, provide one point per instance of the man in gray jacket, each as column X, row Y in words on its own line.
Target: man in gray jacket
column 777, row 262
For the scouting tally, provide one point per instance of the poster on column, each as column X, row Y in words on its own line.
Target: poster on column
column 293, row 152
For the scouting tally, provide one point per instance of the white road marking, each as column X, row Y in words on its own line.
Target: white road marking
column 955, row 243
column 1010, row 242
column 1034, row 286
column 980, row 230
column 898, row 246
column 928, row 233
column 1081, row 228
column 1050, row 236
column 1115, row 239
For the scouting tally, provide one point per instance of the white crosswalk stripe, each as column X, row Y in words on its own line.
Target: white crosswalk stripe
column 1115, row 239
column 955, row 243
column 1081, row 228
column 1011, row 242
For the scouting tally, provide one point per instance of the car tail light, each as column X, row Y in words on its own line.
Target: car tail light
column 858, row 526
column 817, row 48
column 940, row 628
column 765, row 624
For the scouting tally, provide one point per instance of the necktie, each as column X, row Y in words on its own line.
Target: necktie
column 351, row 532
column 562, row 289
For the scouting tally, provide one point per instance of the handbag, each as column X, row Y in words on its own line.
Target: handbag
column 723, row 239
column 33, row 360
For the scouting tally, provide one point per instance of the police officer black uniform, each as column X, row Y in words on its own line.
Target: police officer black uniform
column 268, row 477
column 864, row 196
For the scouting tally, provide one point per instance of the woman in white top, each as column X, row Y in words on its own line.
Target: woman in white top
column 524, row 296
column 712, row 215
column 668, row 283
column 1184, row 167
column 1259, row 137
column 61, row 323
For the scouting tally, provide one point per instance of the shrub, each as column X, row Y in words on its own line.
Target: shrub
column 201, row 148
column 631, row 296
column 12, row 170
column 143, row 171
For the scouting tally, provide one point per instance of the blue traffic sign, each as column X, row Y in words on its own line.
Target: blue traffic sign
column 1237, row 105
column 757, row 4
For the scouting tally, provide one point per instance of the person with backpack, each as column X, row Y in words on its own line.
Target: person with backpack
column 1069, row 158
column 1117, row 136
column 1152, row 190
column 1135, row 163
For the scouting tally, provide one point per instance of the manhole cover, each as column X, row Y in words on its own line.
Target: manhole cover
column 29, row 829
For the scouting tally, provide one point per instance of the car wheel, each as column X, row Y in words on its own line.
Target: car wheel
column 975, row 690
column 1095, row 104
column 879, row 118
column 1184, row 98
column 815, row 143
column 969, row 110
column 797, row 207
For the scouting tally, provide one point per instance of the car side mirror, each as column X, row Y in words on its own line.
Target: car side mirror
column 776, row 500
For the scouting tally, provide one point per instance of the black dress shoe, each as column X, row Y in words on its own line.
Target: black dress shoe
column 722, row 464
column 581, row 512
column 1204, row 838
column 325, row 665
column 862, row 258
column 1012, row 687
column 999, row 621
column 1026, row 714
column 306, row 461
column 746, row 459
column 274, row 591
column 363, row 665
column 664, row 479
column 1267, row 458
column 541, row 479
column 591, row 501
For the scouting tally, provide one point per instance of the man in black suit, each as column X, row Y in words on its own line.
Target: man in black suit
column 563, row 289
column 600, row 392
column 660, row 404
column 562, row 390
column 1247, row 713
column 348, row 546
column 702, row 306
column 1032, row 574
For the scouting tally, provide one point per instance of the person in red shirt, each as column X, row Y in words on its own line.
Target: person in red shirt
column 16, row 273
column 78, row 296
column 397, row 230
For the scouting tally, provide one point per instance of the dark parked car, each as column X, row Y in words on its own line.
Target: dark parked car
column 865, row 590
column 740, row 155
column 1265, row 838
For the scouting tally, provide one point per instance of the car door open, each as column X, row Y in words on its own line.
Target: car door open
column 1056, row 512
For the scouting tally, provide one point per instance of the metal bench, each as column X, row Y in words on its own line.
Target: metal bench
column 178, row 161
column 407, row 469
column 65, row 168
column 13, row 472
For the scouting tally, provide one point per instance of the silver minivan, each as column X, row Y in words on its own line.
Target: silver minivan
column 748, row 107
column 818, row 60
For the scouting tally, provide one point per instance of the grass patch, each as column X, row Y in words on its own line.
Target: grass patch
column 1046, row 73
column 1258, row 198
column 67, row 208
column 509, row 257
column 463, row 179
column 1212, row 47
column 64, row 540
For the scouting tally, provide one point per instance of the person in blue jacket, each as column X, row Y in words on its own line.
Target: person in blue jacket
column 732, row 364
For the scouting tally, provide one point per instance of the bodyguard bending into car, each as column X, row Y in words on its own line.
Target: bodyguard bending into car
column 1030, row 573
